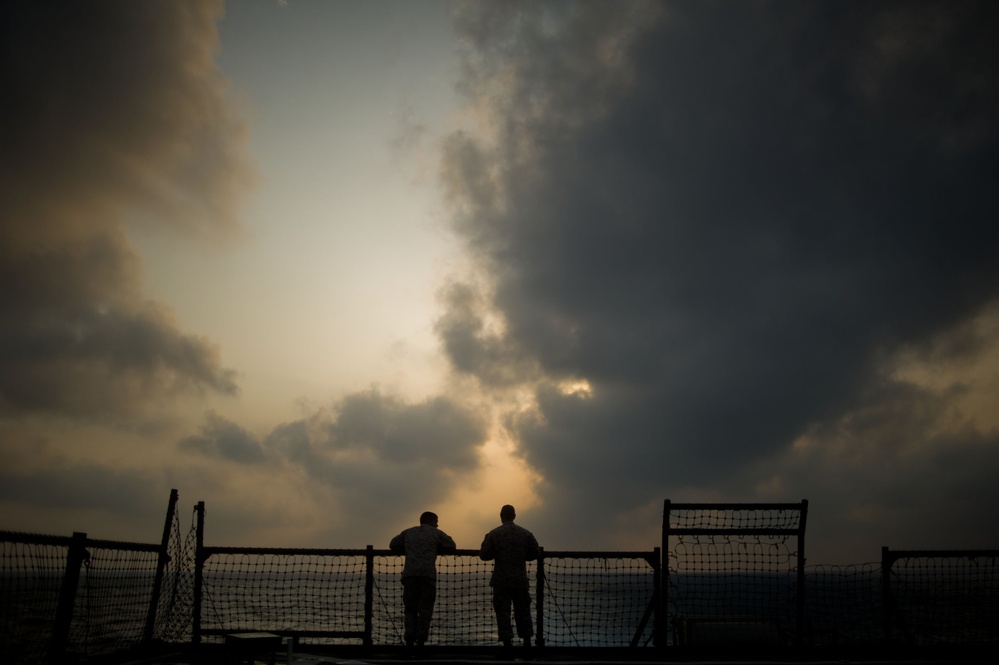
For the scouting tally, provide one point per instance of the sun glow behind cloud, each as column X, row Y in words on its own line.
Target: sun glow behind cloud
column 579, row 387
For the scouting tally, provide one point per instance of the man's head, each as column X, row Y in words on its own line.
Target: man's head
column 429, row 518
column 507, row 513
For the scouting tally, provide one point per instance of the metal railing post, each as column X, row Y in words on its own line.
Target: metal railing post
column 199, row 571
column 664, row 617
column 539, row 597
column 154, row 600
column 886, row 599
column 657, row 592
column 369, row 593
column 67, row 597
column 800, row 625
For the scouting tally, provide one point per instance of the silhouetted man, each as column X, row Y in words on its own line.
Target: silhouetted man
column 421, row 545
column 511, row 547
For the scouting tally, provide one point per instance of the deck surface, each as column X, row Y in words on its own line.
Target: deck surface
column 332, row 655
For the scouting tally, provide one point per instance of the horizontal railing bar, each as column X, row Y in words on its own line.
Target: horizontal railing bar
column 64, row 541
column 283, row 631
column 966, row 554
column 121, row 545
column 740, row 507
column 566, row 554
column 288, row 551
column 34, row 538
column 317, row 551
column 701, row 531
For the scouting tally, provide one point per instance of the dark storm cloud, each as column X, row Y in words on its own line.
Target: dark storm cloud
column 900, row 471
column 469, row 343
column 44, row 491
column 112, row 111
column 726, row 217
column 63, row 485
column 437, row 431
column 224, row 439
column 381, row 457
column 384, row 458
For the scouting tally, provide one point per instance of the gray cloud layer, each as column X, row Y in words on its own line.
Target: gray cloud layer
column 735, row 221
column 379, row 456
column 112, row 110
column 728, row 218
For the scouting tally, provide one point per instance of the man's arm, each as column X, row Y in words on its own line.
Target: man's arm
column 487, row 552
column 446, row 544
column 531, row 549
column 398, row 543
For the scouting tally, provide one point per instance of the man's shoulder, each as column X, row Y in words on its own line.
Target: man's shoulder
column 510, row 530
column 416, row 531
column 522, row 531
column 398, row 542
column 430, row 534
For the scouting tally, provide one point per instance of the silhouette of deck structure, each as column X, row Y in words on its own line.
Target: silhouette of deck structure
column 727, row 584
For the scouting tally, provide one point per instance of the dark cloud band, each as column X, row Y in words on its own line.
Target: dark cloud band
column 726, row 217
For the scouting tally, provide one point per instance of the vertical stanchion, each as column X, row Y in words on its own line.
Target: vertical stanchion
column 154, row 601
column 652, row 607
column 539, row 597
column 886, row 599
column 199, row 570
column 369, row 592
column 657, row 592
column 800, row 625
column 67, row 597
column 664, row 597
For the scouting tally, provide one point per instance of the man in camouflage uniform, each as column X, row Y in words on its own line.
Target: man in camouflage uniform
column 421, row 545
column 511, row 546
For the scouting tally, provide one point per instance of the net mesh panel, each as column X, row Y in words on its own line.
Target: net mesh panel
column 463, row 614
column 589, row 601
column 465, row 599
column 175, row 609
column 386, row 610
column 112, row 597
column 945, row 599
column 30, row 578
column 115, row 589
column 596, row 601
column 732, row 587
column 843, row 605
column 726, row 519
column 291, row 592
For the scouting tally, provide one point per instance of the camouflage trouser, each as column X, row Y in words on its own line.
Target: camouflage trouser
column 518, row 595
column 418, row 597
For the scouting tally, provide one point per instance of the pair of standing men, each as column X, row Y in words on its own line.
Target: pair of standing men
column 509, row 546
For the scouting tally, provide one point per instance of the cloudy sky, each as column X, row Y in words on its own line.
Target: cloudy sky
column 325, row 265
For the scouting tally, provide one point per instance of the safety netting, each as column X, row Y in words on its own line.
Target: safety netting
column 941, row 597
column 606, row 599
column 734, row 576
column 843, row 605
column 30, row 582
column 355, row 596
column 733, row 573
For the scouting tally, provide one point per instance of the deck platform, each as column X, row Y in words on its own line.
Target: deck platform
column 307, row 654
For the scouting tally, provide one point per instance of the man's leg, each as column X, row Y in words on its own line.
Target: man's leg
column 501, row 605
column 426, row 609
column 522, row 612
column 411, row 608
